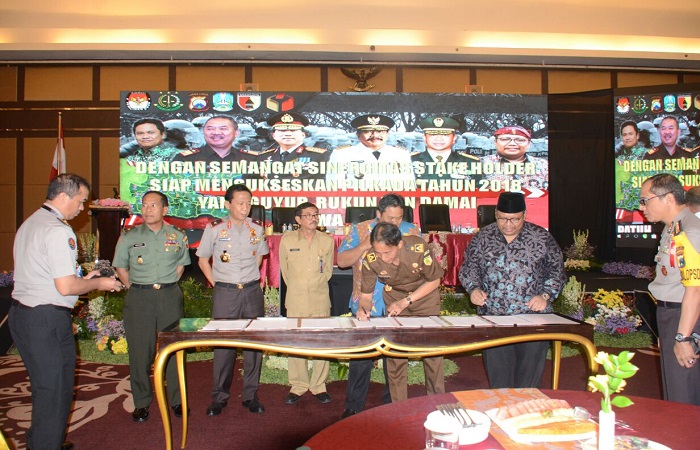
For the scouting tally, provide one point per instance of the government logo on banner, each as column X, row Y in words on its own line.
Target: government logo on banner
column 249, row 101
column 223, row 101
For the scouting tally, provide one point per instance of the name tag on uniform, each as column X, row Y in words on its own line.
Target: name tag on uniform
column 294, row 250
column 142, row 244
column 224, row 239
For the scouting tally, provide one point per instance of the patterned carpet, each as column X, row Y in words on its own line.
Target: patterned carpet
column 101, row 416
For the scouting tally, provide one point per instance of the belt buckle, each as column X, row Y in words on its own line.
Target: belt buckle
column 239, row 285
column 156, row 286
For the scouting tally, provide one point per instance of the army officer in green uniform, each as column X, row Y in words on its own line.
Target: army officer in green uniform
column 150, row 260
column 411, row 277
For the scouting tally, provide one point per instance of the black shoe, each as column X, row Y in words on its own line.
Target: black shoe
column 291, row 398
column 323, row 397
column 177, row 410
column 254, row 406
column 68, row 445
column 348, row 413
column 140, row 414
column 215, row 408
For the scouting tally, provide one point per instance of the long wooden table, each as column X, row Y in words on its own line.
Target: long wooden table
column 355, row 343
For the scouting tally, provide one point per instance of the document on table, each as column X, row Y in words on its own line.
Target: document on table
column 376, row 322
column 508, row 321
column 466, row 321
column 226, row 325
column 547, row 319
column 420, row 322
column 323, row 323
column 272, row 323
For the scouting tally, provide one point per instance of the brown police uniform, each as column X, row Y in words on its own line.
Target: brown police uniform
column 416, row 267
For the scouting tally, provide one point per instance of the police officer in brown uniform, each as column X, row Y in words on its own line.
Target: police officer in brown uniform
column 235, row 245
column 411, row 278
column 288, row 132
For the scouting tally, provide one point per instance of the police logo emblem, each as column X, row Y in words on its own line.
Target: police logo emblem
column 71, row 243
column 199, row 102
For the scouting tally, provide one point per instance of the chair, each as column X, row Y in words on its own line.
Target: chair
column 434, row 218
column 485, row 215
column 357, row 214
column 280, row 217
column 408, row 214
column 257, row 213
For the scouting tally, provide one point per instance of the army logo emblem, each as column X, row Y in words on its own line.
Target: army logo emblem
column 684, row 102
column 169, row 101
column 223, row 101
column 249, row 101
column 138, row 101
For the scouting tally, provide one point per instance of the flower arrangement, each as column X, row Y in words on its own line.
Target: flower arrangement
column 629, row 269
column 611, row 312
column 7, row 279
column 272, row 301
column 617, row 369
column 111, row 202
column 107, row 331
column 580, row 249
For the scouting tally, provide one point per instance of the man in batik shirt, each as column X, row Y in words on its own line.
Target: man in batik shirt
column 513, row 267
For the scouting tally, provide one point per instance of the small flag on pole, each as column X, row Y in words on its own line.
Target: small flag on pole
column 59, row 156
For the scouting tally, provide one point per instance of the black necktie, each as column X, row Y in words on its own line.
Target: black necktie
column 283, row 156
column 376, row 153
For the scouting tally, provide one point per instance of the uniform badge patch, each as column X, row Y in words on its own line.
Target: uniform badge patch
column 418, row 248
column 71, row 243
column 371, row 257
column 427, row 260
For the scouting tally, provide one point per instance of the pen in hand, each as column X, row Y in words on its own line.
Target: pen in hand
column 366, row 314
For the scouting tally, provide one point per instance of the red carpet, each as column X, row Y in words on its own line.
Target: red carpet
column 101, row 417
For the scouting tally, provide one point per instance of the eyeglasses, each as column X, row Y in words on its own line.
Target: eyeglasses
column 644, row 201
column 517, row 140
column 310, row 216
column 513, row 220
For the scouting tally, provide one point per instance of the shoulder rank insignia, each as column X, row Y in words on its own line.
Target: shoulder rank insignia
column 214, row 223
column 316, row 149
column 418, row 248
column 416, row 153
column 248, row 151
column 371, row 257
column 366, row 264
column 652, row 151
column 269, row 150
column 190, row 152
column 689, row 150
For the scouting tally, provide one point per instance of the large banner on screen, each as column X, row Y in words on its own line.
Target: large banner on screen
column 655, row 133
column 334, row 149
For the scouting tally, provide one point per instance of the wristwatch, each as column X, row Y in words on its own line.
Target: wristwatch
column 545, row 296
column 680, row 338
column 408, row 299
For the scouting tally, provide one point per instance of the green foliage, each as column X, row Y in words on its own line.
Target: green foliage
column 569, row 301
column 452, row 303
column 114, row 304
column 197, row 298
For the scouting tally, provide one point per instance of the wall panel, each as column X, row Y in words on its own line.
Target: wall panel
column 8, row 84
column 210, row 78
column 114, row 79
column 287, row 78
column 58, row 83
column 633, row 79
column 506, row 81
column 8, row 168
column 435, row 80
column 565, row 81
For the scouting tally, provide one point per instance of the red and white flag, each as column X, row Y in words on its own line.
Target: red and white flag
column 59, row 156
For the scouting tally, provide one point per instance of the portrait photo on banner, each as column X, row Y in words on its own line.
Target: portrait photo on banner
column 335, row 149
